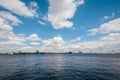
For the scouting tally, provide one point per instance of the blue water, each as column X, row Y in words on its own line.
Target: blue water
column 59, row 67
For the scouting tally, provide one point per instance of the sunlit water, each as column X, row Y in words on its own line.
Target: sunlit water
column 59, row 67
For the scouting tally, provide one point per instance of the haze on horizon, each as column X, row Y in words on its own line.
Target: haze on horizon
column 60, row 25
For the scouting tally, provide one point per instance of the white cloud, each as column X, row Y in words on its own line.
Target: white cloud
column 17, row 6
column 7, row 34
column 104, row 44
column 45, row 18
column 8, row 16
column 93, row 31
column 4, row 26
column 13, row 42
column 34, row 4
column 8, row 40
column 62, row 10
column 109, row 17
column 56, row 44
column 33, row 37
column 108, row 43
column 34, row 7
column 27, row 49
column 76, row 39
column 56, row 41
column 41, row 22
column 34, row 43
column 111, row 37
column 106, row 17
column 111, row 26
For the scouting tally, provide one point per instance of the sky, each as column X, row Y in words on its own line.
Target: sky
column 60, row 26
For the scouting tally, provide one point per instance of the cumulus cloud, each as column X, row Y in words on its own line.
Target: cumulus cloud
column 33, row 37
column 9, row 16
column 56, row 44
column 108, row 43
column 111, row 26
column 27, row 49
column 34, row 43
column 76, row 39
column 62, row 10
column 8, row 40
column 56, row 41
column 93, row 31
column 17, row 6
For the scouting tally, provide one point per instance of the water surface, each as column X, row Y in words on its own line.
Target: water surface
column 59, row 67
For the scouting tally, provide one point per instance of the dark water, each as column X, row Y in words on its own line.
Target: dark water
column 59, row 67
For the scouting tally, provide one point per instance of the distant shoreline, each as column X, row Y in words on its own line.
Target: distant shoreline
column 22, row 53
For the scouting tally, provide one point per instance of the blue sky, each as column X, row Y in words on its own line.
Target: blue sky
column 55, row 26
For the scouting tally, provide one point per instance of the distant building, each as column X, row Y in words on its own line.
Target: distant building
column 37, row 52
column 80, row 52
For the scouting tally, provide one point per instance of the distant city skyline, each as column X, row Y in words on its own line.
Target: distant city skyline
column 60, row 25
